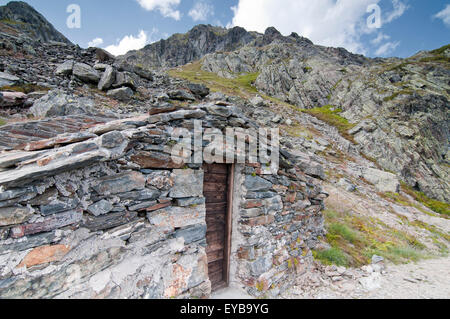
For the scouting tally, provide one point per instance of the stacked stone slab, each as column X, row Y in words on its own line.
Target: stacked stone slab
column 113, row 216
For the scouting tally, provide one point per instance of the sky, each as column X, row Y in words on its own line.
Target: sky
column 374, row 28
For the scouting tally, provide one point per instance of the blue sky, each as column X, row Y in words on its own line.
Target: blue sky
column 406, row 26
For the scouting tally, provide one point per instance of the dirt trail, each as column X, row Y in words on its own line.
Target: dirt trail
column 424, row 280
column 428, row 279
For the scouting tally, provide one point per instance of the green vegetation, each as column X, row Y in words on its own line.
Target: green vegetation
column 336, row 229
column 299, row 131
column 330, row 115
column 439, row 58
column 24, row 88
column 241, row 86
column 12, row 22
column 354, row 239
column 332, row 256
column 435, row 205
column 246, row 81
column 396, row 94
column 2, row 122
column 441, row 50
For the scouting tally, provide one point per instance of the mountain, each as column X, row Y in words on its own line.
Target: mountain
column 180, row 49
column 394, row 111
column 19, row 18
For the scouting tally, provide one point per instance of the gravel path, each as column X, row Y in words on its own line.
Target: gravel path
column 428, row 279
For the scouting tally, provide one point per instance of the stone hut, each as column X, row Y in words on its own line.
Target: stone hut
column 94, row 207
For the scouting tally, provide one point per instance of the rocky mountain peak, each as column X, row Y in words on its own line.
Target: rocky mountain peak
column 272, row 31
column 22, row 19
column 180, row 49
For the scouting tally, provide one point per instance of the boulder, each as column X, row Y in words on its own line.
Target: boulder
column 222, row 111
column 7, row 79
column 108, row 78
column 258, row 101
column 123, row 94
column 383, row 181
column 86, row 73
column 100, row 66
column 181, row 95
column 198, row 89
column 124, row 79
column 8, row 99
column 58, row 103
column 103, row 55
column 162, row 108
column 66, row 68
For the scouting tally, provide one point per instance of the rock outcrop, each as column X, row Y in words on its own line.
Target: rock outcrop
column 30, row 22
column 180, row 49
column 398, row 108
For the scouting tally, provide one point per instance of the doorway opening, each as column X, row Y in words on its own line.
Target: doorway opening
column 218, row 192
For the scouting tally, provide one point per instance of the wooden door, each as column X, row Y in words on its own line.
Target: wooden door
column 218, row 195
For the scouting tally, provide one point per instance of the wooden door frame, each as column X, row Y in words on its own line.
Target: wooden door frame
column 229, row 224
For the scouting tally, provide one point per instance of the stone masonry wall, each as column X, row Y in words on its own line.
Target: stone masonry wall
column 110, row 215
column 279, row 220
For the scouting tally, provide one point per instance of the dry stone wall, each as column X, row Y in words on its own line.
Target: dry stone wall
column 113, row 216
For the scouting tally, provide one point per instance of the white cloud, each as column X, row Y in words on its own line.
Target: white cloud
column 387, row 48
column 334, row 23
column 201, row 11
column 167, row 8
column 399, row 9
column 129, row 43
column 444, row 15
column 325, row 22
column 96, row 42
column 380, row 38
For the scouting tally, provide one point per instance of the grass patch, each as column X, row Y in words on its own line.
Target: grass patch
column 337, row 229
column 332, row 256
column 439, row 58
column 396, row 94
column 12, row 22
column 441, row 50
column 398, row 254
column 2, row 122
column 246, row 81
column 24, row 88
column 330, row 115
column 435, row 205
column 354, row 239
column 299, row 131
column 241, row 86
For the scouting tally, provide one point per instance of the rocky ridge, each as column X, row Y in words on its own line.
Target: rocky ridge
column 22, row 19
column 395, row 110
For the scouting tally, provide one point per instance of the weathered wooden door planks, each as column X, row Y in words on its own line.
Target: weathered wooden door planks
column 217, row 190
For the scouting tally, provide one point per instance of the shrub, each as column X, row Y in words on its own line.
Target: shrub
column 330, row 115
column 332, row 256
